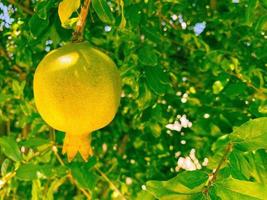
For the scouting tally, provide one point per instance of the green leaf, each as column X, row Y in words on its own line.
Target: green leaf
column 10, row 148
column 236, row 189
column 35, row 142
column 234, row 89
column 239, row 165
column 133, row 14
column 123, row 20
column 157, row 80
column 251, row 136
column 185, row 185
column 218, row 149
column 145, row 95
column 42, row 9
column 66, row 8
column 151, row 33
column 256, row 167
column 36, row 190
column 18, row 87
column 261, row 24
column 250, row 11
column 85, row 177
column 103, row 11
column 27, row 172
column 212, row 194
column 192, row 179
column 148, row 56
column 54, row 187
column 264, row 3
column 38, row 26
column 217, row 87
column 4, row 98
column 155, row 129
column 144, row 195
column 4, row 167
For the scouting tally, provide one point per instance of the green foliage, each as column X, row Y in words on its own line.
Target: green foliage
column 103, row 11
column 235, row 189
column 10, row 148
column 66, row 8
column 194, row 88
column 221, row 184
column 251, row 135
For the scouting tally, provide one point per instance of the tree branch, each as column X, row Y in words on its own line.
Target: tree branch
column 214, row 174
column 110, row 182
column 78, row 33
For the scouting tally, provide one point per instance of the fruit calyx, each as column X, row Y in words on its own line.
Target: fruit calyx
column 74, row 143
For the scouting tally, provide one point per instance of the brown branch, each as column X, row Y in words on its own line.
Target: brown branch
column 78, row 33
column 213, row 4
column 214, row 174
column 123, row 143
column 22, row 7
column 164, row 18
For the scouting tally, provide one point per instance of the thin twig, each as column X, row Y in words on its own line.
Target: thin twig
column 164, row 18
column 213, row 176
column 87, row 194
column 22, row 7
column 123, row 143
column 84, row 191
column 110, row 182
column 54, row 149
column 78, row 33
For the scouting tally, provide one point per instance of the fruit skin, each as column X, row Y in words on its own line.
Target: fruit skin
column 77, row 90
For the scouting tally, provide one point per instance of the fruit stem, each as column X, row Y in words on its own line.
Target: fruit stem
column 77, row 35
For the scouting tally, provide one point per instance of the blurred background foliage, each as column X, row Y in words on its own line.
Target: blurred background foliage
column 192, row 71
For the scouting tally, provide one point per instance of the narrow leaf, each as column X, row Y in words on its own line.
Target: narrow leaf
column 251, row 136
column 103, row 11
column 37, row 25
column 264, row 3
column 10, row 148
column 236, row 189
column 66, row 8
column 192, row 179
column 123, row 20
column 4, row 167
column 186, row 185
column 148, row 56
column 54, row 187
column 35, row 142
column 157, row 80
column 85, row 177
column 261, row 24
column 27, row 172
column 36, row 190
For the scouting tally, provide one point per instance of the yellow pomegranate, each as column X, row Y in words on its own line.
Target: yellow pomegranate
column 77, row 90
